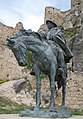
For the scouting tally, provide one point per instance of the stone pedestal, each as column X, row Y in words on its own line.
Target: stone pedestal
column 45, row 113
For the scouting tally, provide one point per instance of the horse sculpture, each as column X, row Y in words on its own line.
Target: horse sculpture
column 44, row 61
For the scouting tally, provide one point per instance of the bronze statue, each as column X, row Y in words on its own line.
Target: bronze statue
column 46, row 61
column 56, row 35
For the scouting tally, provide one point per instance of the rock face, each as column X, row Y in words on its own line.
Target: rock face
column 77, row 50
column 19, row 85
column 75, row 2
column 9, row 68
column 74, row 91
column 73, row 26
column 23, row 97
column 74, row 21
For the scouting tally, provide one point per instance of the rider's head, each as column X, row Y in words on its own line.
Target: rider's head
column 50, row 24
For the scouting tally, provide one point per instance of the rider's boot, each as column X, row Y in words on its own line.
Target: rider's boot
column 60, row 71
column 32, row 72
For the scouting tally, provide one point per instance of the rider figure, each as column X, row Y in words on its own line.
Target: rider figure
column 54, row 34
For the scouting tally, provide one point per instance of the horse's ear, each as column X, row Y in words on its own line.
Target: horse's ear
column 22, row 30
column 29, row 31
column 10, row 41
column 39, row 35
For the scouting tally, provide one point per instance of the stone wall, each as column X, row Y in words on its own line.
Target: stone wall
column 77, row 50
column 74, row 91
column 75, row 41
column 71, row 21
column 54, row 15
column 9, row 68
column 75, row 3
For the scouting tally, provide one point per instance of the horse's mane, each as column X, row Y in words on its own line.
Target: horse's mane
column 30, row 32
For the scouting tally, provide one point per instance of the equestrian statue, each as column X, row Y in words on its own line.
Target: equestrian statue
column 50, row 56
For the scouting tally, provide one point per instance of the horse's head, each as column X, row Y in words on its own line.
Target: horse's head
column 17, row 43
column 18, row 48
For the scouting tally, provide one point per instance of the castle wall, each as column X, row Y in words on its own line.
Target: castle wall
column 54, row 15
column 75, row 2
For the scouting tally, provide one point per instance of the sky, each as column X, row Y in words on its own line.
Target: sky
column 29, row 12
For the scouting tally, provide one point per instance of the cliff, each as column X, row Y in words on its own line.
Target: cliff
column 9, row 68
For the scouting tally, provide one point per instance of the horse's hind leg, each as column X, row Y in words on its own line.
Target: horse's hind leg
column 52, row 86
column 63, row 94
column 63, row 66
column 38, row 87
column 64, row 76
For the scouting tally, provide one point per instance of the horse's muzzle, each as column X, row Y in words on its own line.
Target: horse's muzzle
column 22, row 64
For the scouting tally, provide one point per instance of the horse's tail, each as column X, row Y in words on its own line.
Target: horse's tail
column 60, row 78
column 59, row 82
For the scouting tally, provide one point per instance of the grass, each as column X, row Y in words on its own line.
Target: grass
column 77, row 112
column 71, row 32
column 2, row 81
column 12, row 111
column 9, row 107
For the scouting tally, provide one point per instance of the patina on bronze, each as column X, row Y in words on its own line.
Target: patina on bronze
column 56, row 35
column 46, row 59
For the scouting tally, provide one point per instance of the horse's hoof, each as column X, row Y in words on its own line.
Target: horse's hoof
column 36, row 109
column 63, row 108
column 51, row 109
column 32, row 73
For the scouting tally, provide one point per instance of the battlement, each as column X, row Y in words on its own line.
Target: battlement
column 75, row 3
column 54, row 15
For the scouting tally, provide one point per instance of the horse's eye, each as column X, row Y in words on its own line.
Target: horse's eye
column 15, row 47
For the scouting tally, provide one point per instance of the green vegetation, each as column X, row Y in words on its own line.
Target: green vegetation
column 77, row 112
column 82, row 21
column 29, row 59
column 12, row 111
column 29, row 62
column 9, row 107
column 71, row 32
column 2, row 81
column 42, row 76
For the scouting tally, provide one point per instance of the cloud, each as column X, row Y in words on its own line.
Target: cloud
column 33, row 22
column 62, row 4
column 9, row 18
column 29, row 12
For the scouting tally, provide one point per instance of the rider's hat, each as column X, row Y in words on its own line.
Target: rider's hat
column 51, row 22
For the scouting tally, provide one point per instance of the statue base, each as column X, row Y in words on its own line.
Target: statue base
column 45, row 113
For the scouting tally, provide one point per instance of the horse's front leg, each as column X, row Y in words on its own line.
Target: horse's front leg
column 38, row 88
column 53, row 88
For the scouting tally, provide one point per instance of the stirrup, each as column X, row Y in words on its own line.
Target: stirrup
column 60, row 71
